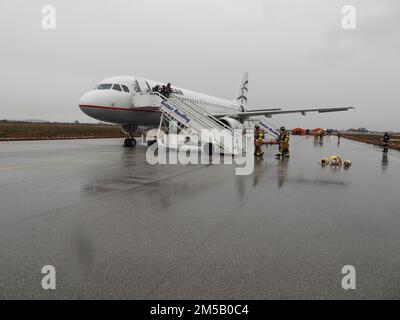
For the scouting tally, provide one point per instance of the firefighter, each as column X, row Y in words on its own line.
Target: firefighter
column 385, row 142
column 258, row 141
column 283, row 140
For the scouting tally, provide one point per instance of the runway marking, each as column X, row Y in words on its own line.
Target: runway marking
column 16, row 167
column 41, row 164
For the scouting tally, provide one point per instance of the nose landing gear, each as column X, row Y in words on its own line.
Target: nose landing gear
column 129, row 142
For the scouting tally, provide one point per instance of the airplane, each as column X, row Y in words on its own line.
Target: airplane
column 126, row 101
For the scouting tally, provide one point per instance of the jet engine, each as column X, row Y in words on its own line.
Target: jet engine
column 232, row 123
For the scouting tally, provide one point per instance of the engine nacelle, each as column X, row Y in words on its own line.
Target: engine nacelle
column 232, row 123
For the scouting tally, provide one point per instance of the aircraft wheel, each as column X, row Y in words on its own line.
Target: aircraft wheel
column 130, row 143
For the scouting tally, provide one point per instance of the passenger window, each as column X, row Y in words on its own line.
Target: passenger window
column 104, row 86
column 125, row 88
column 117, row 87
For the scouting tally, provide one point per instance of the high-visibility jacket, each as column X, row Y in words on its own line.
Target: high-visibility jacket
column 334, row 158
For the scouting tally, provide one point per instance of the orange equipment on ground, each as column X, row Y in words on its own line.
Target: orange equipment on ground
column 318, row 132
column 298, row 132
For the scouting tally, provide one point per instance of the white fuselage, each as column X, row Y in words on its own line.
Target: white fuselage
column 125, row 100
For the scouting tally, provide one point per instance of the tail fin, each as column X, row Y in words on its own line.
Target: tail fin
column 241, row 95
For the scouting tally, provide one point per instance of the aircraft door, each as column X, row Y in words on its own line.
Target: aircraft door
column 141, row 96
column 143, row 85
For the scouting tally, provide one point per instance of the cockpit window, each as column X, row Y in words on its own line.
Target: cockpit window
column 104, row 86
column 117, row 87
column 125, row 88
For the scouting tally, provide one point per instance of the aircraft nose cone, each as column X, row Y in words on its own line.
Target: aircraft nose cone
column 98, row 98
column 88, row 102
column 87, row 99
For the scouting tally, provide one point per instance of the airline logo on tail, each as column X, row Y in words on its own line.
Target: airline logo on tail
column 243, row 90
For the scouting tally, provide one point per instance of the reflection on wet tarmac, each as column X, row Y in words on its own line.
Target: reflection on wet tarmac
column 240, row 182
column 260, row 169
column 131, row 230
column 318, row 141
column 385, row 161
column 282, row 172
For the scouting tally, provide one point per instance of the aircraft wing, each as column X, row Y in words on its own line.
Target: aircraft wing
column 270, row 112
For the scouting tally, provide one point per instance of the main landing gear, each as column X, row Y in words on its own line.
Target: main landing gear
column 130, row 142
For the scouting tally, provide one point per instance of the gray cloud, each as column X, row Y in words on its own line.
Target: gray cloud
column 296, row 52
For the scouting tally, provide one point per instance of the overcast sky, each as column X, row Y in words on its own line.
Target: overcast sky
column 297, row 54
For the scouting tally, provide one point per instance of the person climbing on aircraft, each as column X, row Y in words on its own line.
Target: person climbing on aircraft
column 156, row 88
column 166, row 90
column 283, row 140
column 163, row 90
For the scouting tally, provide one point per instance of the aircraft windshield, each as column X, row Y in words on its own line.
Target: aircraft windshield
column 117, row 87
column 104, row 86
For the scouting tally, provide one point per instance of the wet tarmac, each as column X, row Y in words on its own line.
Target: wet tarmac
column 114, row 226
